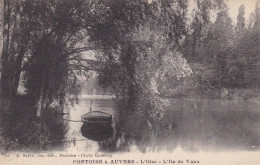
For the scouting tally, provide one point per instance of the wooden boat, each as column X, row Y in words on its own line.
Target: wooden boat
column 96, row 117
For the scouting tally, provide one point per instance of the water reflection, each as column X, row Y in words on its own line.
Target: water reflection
column 57, row 128
column 146, row 137
column 97, row 132
column 191, row 125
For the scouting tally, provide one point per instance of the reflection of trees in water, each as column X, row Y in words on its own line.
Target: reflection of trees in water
column 133, row 132
column 146, row 139
column 213, row 125
column 97, row 132
column 193, row 125
column 57, row 128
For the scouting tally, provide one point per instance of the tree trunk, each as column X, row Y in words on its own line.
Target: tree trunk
column 10, row 56
column 194, row 48
column 6, row 27
column 39, row 101
column 43, row 80
column 45, row 98
column 6, row 38
column 18, row 66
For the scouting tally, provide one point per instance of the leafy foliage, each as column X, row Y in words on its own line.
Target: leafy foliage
column 53, row 64
column 141, row 51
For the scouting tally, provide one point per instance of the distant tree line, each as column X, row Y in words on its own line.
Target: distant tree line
column 228, row 53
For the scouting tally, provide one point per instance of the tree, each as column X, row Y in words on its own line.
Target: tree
column 220, row 44
column 42, row 38
column 55, row 62
column 141, row 42
column 257, row 15
column 200, row 25
column 241, row 21
column 12, row 52
column 1, row 36
column 248, row 51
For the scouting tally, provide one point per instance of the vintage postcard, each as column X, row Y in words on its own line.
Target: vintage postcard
column 140, row 82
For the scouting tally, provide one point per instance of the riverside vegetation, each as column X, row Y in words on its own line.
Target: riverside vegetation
column 143, row 50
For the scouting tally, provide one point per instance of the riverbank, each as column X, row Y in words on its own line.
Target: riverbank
column 224, row 93
column 21, row 130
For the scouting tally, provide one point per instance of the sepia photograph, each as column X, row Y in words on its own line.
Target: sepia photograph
column 117, row 82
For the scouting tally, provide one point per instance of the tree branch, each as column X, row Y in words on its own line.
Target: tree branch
column 82, row 49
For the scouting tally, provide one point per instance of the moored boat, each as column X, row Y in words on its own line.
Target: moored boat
column 96, row 117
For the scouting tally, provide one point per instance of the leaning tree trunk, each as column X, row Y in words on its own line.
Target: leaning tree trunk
column 41, row 61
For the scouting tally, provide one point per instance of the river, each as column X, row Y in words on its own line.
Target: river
column 188, row 125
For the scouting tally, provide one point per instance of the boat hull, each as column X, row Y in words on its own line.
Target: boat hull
column 96, row 117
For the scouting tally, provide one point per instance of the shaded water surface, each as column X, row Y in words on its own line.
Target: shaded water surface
column 189, row 125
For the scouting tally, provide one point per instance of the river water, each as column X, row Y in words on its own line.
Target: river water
column 188, row 125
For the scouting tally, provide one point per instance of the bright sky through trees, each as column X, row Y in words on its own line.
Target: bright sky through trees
column 235, row 4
